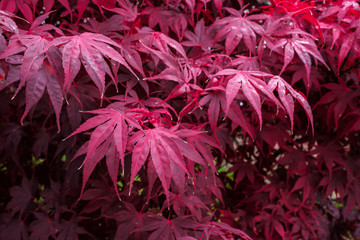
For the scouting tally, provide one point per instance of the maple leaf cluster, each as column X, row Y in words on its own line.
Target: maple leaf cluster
column 179, row 119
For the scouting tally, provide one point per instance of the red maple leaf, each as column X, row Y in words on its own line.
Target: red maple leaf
column 109, row 139
column 88, row 49
column 166, row 150
column 286, row 95
column 236, row 28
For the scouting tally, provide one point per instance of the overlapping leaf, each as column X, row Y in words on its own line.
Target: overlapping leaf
column 167, row 229
column 220, row 229
column 129, row 220
column 287, row 95
column 304, row 47
column 216, row 99
column 26, row 10
column 7, row 23
column 108, row 139
column 165, row 148
column 35, row 73
column 126, row 10
column 236, row 28
column 249, row 82
column 88, row 49
column 33, row 57
column 201, row 37
column 161, row 41
column 35, row 89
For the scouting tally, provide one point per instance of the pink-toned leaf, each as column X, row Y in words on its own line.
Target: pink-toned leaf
column 237, row 28
column 71, row 62
column 165, row 148
column 54, row 90
column 223, row 226
column 127, row 10
column 345, row 49
column 25, row 10
column 35, row 87
column 89, row 47
column 48, row 5
column 66, row 4
column 81, row 7
column 33, row 58
column 282, row 86
column 108, row 139
column 8, row 5
column 94, row 64
column 7, row 23
column 288, row 56
column 248, row 81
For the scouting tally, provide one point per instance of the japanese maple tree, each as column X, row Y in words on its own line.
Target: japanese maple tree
column 179, row 119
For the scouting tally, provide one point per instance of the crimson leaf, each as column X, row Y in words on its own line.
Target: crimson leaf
column 88, row 48
column 165, row 148
column 286, row 95
column 108, row 139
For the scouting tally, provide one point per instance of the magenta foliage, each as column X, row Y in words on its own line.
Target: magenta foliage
column 179, row 119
